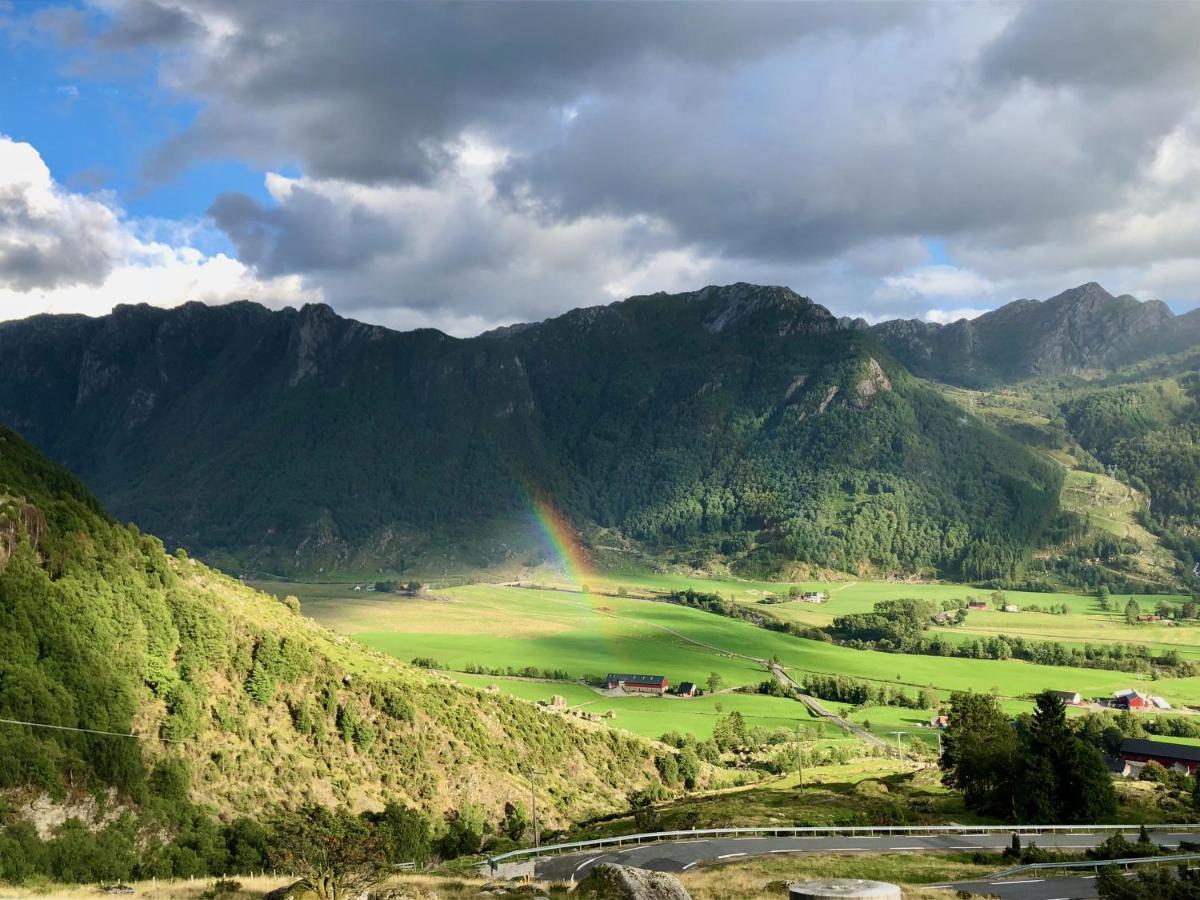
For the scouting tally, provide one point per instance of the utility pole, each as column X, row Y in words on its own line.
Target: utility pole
column 899, row 745
column 532, row 774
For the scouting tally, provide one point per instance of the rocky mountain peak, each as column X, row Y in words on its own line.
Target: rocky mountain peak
column 778, row 308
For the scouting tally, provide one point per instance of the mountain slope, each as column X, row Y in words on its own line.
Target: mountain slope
column 101, row 630
column 1080, row 329
column 738, row 424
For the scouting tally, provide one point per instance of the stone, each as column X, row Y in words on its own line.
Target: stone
column 842, row 889
column 612, row 882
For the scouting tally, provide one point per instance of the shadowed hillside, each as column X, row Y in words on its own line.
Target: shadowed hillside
column 737, row 425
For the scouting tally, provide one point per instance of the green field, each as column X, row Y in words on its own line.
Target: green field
column 588, row 635
column 654, row 716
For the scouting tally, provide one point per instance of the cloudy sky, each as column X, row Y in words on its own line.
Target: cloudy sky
column 468, row 165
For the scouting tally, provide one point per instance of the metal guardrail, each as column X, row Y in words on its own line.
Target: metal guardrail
column 832, row 831
column 1096, row 864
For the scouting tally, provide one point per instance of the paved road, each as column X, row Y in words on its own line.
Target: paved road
column 680, row 856
column 1063, row 887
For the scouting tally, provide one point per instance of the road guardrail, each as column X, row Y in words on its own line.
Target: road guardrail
column 833, row 831
column 1096, row 864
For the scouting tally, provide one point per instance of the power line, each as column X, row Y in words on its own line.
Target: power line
column 121, row 734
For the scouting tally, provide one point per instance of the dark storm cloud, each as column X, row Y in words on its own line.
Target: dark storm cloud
column 306, row 233
column 1104, row 45
column 370, row 91
column 791, row 140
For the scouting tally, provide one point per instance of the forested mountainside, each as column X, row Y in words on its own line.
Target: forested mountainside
column 255, row 706
column 1080, row 329
column 737, row 424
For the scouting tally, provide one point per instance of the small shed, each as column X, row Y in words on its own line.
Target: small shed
column 686, row 689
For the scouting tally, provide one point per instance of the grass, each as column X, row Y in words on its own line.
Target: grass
column 877, row 789
column 653, row 716
column 595, row 633
column 763, row 877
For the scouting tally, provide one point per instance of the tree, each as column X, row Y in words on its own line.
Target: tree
column 689, row 767
column 334, row 853
column 714, row 682
column 405, row 832
column 930, row 697
column 978, row 748
column 1132, row 611
column 516, row 820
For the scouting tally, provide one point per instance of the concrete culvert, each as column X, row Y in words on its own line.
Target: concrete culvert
column 842, row 889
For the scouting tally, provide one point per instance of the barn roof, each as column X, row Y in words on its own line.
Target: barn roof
column 638, row 679
column 1163, row 749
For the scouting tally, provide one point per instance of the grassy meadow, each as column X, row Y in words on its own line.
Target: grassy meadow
column 589, row 634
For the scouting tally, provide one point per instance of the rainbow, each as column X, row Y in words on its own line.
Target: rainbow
column 561, row 540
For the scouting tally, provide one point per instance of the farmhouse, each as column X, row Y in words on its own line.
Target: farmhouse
column 1131, row 699
column 976, row 604
column 940, row 722
column 1070, row 698
column 814, row 597
column 686, row 689
column 1182, row 757
column 638, row 684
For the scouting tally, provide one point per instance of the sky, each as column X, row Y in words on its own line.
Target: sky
column 467, row 165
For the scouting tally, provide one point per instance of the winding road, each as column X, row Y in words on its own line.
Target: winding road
column 683, row 855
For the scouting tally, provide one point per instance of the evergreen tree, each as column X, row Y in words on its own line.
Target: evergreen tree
column 978, row 750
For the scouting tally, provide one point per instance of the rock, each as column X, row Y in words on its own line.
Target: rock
column 295, row 891
column 842, row 889
column 612, row 882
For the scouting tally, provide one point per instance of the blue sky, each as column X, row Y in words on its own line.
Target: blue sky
column 470, row 165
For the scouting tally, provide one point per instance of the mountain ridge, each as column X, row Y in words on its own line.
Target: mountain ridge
column 736, row 424
column 1082, row 328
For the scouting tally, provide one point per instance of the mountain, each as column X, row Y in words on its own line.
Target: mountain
column 736, row 424
column 242, row 703
column 1080, row 329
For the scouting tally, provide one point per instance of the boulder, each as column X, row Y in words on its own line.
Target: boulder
column 612, row 882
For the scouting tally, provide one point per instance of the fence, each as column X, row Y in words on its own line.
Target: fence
column 1097, row 864
column 834, row 831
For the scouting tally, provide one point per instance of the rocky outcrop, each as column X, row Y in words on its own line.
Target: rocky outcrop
column 1080, row 329
column 612, row 882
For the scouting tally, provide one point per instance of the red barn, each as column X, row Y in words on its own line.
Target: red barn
column 1131, row 699
column 1138, row 752
column 638, row 684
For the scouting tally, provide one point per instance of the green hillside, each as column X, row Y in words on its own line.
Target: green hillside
column 240, row 702
column 739, row 426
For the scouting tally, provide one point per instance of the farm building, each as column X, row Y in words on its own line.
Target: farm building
column 686, row 689
column 1182, row 757
column 1131, row 699
column 1149, row 617
column 1011, row 607
column 940, row 722
column 638, row 684
column 814, row 597
column 1070, row 698
column 976, row 604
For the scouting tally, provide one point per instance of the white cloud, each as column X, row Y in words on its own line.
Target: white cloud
column 66, row 252
column 946, row 316
column 451, row 254
column 935, row 281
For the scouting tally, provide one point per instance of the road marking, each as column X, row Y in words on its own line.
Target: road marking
column 730, row 855
column 1029, row 881
column 588, row 862
column 689, row 865
column 969, row 847
column 797, row 850
column 844, row 849
column 908, row 848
